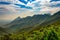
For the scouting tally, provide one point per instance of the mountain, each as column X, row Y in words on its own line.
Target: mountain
column 33, row 22
column 46, row 27
column 15, row 20
column 37, row 27
column 53, row 19
column 28, row 22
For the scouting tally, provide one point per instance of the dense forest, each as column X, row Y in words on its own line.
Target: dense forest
column 48, row 32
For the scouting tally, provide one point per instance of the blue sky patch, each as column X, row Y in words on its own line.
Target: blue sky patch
column 57, row 5
column 5, row 3
column 23, row 6
column 25, row 2
column 54, row 0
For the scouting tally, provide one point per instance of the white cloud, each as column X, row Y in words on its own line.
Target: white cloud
column 39, row 7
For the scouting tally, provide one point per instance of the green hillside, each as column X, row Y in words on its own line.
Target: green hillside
column 47, row 30
column 50, row 31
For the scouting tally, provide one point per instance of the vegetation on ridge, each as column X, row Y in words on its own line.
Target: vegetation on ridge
column 49, row 32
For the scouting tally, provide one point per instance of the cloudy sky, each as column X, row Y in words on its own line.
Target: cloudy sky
column 10, row 9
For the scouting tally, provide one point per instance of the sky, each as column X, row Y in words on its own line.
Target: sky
column 11, row 9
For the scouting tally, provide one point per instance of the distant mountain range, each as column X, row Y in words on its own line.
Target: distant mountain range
column 53, row 19
column 34, row 22
column 31, row 22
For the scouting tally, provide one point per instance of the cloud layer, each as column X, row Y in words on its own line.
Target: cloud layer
column 14, row 8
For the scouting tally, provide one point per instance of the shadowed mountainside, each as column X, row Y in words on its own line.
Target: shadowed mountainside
column 49, row 29
column 29, row 23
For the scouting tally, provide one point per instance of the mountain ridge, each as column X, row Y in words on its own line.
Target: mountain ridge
column 30, row 22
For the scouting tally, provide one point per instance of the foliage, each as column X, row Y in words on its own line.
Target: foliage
column 49, row 32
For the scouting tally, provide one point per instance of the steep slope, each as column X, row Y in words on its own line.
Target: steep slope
column 21, row 23
column 54, row 18
column 3, row 31
column 34, row 22
column 49, row 30
column 46, row 32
